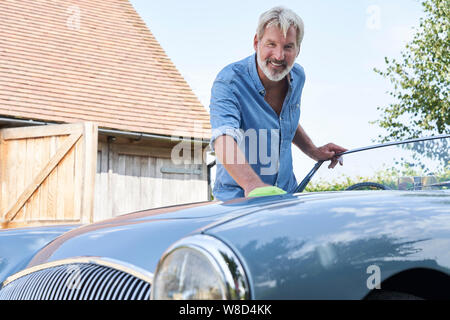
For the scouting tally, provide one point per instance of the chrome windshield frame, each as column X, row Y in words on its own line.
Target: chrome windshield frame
column 302, row 185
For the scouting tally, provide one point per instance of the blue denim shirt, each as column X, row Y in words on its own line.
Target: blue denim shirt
column 238, row 109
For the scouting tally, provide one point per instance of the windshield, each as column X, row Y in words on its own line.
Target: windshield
column 418, row 165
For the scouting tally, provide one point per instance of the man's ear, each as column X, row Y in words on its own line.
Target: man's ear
column 255, row 42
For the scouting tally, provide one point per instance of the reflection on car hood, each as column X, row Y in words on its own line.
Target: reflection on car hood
column 125, row 237
column 142, row 237
column 329, row 242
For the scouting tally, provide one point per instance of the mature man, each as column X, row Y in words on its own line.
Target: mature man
column 255, row 110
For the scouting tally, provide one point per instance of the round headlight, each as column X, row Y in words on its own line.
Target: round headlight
column 199, row 267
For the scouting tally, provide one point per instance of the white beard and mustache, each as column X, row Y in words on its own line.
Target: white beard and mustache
column 273, row 75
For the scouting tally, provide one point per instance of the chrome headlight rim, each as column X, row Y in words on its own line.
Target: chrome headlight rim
column 217, row 253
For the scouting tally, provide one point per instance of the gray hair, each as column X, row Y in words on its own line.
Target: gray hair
column 283, row 18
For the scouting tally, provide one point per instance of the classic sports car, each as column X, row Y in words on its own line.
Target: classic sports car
column 365, row 244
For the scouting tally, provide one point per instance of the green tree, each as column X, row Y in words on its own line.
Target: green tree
column 421, row 80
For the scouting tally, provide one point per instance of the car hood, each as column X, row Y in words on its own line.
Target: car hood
column 140, row 238
column 275, row 235
column 324, row 244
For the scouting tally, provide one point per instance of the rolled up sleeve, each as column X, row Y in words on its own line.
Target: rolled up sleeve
column 225, row 115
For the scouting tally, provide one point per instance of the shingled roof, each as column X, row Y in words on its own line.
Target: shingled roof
column 87, row 60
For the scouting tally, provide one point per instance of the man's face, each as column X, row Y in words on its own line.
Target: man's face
column 276, row 53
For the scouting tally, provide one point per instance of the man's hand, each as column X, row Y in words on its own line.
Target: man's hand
column 328, row 152
column 253, row 187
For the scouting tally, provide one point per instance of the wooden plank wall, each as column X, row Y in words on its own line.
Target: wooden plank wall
column 129, row 179
column 84, row 186
column 47, row 174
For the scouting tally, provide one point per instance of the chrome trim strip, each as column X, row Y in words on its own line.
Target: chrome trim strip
column 59, row 274
column 14, row 292
column 23, row 294
column 26, row 293
column 40, row 290
column 137, row 290
column 88, row 276
column 120, row 285
column 98, row 275
column 107, row 262
column 145, row 293
column 103, row 283
column 32, row 285
column 71, row 286
column 130, row 289
column 124, row 288
column 394, row 143
column 113, row 286
column 48, row 288
column 220, row 255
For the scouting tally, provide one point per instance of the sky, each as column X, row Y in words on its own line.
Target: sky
column 344, row 40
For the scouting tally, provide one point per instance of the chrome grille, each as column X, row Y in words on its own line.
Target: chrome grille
column 77, row 281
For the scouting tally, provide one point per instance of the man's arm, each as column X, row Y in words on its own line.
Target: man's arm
column 326, row 152
column 233, row 159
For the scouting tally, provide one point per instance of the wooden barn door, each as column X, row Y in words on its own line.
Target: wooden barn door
column 47, row 174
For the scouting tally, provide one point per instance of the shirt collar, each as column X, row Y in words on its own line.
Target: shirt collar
column 255, row 77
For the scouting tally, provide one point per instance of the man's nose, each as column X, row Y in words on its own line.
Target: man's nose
column 279, row 54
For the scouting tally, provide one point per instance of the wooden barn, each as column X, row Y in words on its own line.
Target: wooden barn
column 95, row 119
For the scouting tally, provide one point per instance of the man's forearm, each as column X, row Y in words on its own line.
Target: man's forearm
column 233, row 160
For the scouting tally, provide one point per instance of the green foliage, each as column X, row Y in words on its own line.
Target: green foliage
column 345, row 182
column 421, row 80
